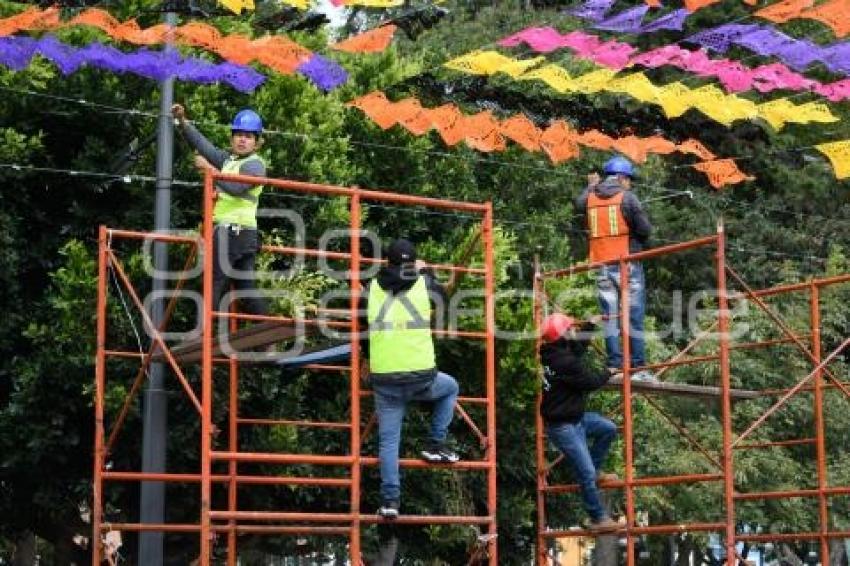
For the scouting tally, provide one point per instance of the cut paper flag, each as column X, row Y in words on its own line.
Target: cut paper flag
column 722, row 172
column 733, row 75
column 834, row 14
column 592, row 10
column 484, row 132
column 236, row 6
column 675, row 99
column 323, row 72
column 694, row 5
column 17, row 53
column 631, row 20
column 490, row 63
column 372, row 41
column 274, row 51
column 368, row 3
column 838, row 154
column 787, row 10
column 767, row 41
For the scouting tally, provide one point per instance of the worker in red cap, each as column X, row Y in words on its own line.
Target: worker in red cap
column 566, row 382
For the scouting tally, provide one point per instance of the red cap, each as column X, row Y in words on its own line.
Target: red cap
column 555, row 325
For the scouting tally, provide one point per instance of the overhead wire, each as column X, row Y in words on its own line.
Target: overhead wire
column 125, row 178
column 564, row 226
column 127, row 312
column 284, row 133
column 129, row 178
column 305, row 136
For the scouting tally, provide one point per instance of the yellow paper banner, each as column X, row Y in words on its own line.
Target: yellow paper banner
column 839, row 155
column 675, row 98
column 236, row 6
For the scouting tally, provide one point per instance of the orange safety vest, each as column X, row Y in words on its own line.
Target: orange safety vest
column 608, row 229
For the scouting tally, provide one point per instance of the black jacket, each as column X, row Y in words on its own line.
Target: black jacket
column 567, row 380
column 394, row 279
column 636, row 218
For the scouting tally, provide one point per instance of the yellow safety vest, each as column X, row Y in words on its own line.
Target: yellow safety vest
column 231, row 209
column 400, row 330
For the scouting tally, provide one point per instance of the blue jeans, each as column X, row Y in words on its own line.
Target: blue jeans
column 571, row 440
column 390, row 404
column 608, row 290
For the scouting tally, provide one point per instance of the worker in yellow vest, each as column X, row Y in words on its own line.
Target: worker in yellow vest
column 402, row 365
column 235, row 237
column 617, row 226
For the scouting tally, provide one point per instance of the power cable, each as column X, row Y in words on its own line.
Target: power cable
column 96, row 174
column 127, row 312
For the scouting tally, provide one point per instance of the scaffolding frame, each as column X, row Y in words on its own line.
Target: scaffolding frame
column 232, row 522
column 730, row 440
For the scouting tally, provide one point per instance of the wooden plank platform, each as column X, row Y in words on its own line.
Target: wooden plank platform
column 251, row 338
column 681, row 389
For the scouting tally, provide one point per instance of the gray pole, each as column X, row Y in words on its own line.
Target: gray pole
column 155, row 416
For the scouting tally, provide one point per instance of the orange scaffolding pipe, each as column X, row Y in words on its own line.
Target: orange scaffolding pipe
column 231, row 521
column 730, row 441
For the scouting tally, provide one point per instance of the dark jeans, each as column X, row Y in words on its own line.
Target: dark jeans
column 572, row 440
column 234, row 256
column 390, row 404
column 608, row 289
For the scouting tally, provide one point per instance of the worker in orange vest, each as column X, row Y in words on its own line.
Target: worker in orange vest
column 617, row 226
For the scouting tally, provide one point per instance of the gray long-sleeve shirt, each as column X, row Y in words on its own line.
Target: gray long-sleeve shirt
column 218, row 157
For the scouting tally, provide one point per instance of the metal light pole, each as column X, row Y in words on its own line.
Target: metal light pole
column 155, row 416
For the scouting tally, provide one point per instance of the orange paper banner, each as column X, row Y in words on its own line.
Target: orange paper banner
column 722, row 172
column 560, row 142
column 373, row 41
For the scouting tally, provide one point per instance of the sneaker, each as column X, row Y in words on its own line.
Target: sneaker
column 388, row 510
column 605, row 477
column 604, row 525
column 645, row 376
column 439, row 453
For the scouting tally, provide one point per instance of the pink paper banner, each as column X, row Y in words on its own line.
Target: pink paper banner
column 733, row 75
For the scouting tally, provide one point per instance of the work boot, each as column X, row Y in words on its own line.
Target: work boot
column 388, row 509
column 439, row 453
column 604, row 525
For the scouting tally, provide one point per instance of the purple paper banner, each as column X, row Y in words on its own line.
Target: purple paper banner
column 764, row 40
column 767, row 41
column 17, row 52
column 592, row 10
column 324, row 73
column 628, row 21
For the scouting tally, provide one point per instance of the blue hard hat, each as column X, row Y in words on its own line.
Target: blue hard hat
column 619, row 165
column 247, row 121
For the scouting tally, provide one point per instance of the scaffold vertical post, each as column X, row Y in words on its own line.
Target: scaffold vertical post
column 490, row 317
column 233, row 446
column 820, row 446
column 99, row 392
column 207, row 332
column 354, row 305
column 538, row 288
column 628, row 447
column 725, row 398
